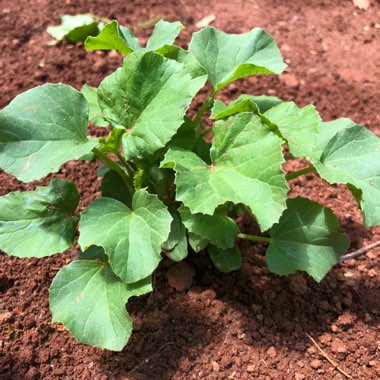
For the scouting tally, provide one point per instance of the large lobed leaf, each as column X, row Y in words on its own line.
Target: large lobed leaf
column 299, row 127
column 89, row 299
column 148, row 96
column 132, row 238
column 41, row 222
column 246, row 168
column 41, row 129
column 306, row 238
column 352, row 157
column 227, row 57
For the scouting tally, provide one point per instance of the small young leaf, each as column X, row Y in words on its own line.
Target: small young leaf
column 95, row 114
column 39, row 223
column 218, row 229
column 94, row 252
column 132, row 238
column 225, row 260
column 176, row 244
column 352, row 157
column 227, row 57
column 264, row 102
column 41, row 129
column 222, row 111
column 246, row 168
column 164, row 33
column 299, row 126
column 148, row 96
column 196, row 242
column 74, row 28
column 114, row 37
column 179, row 252
column 89, row 299
column 114, row 187
column 175, row 233
column 306, row 238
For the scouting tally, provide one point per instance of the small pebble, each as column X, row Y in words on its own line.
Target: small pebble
column 315, row 364
column 272, row 352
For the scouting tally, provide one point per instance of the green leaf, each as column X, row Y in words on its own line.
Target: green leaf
column 185, row 137
column 175, row 233
column 148, row 96
column 196, row 242
column 191, row 65
column 246, row 168
column 112, row 143
column 352, row 157
column 164, row 33
column 89, row 299
column 244, row 103
column 327, row 130
column 264, row 102
column 218, row 229
column 94, row 252
column 306, row 238
column 222, row 111
column 114, row 187
column 95, row 114
column 39, row 223
column 227, row 57
column 176, row 244
column 179, row 252
column 299, row 126
column 114, row 37
column 225, row 260
column 74, row 28
column 41, row 129
column 132, row 238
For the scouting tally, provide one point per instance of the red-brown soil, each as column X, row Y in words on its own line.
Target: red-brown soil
column 244, row 325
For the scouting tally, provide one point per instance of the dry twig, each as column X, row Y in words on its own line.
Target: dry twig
column 323, row 353
column 359, row 252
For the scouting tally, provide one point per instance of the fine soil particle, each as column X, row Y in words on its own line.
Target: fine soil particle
column 244, row 325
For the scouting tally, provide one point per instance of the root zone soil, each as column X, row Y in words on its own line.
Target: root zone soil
column 248, row 324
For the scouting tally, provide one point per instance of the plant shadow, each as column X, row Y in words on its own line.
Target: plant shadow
column 230, row 320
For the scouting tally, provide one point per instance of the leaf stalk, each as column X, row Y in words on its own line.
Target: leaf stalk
column 260, row 239
column 300, row 172
column 206, row 105
column 112, row 165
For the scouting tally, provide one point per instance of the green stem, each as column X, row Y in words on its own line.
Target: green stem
column 206, row 131
column 300, row 172
column 289, row 157
column 261, row 239
column 126, row 164
column 205, row 106
column 112, row 165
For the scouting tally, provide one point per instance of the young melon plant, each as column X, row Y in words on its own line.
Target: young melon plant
column 164, row 187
